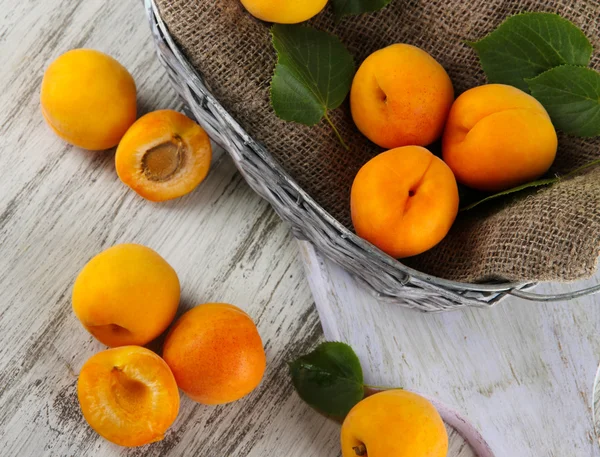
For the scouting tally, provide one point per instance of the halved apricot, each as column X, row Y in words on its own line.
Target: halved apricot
column 164, row 155
column 128, row 395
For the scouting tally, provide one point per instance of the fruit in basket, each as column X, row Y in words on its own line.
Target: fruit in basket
column 128, row 395
column 394, row 423
column 498, row 137
column 401, row 96
column 126, row 295
column 284, row 11
column 164, row 155
column 88, row 99
column 215, row 353
column 404, row 201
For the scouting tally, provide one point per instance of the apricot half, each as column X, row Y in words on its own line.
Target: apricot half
column 88, row 99
column 164, row 155
column 128, row 395
column 401, row 96
column 498, row 137
column 394, row 423
column 284, row 11
column 215, row 353
column 126, row 295
column 404, row 201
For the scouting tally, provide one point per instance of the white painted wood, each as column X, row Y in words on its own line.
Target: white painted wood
column 522, row 372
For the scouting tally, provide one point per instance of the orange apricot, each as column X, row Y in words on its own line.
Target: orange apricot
column 401, row 96
column 128, row 395
column 394, row 423
column 404, row 201
column 88, row 99
column 126, row 295
column 164, row 155
column 498, row 137
column 284, row 11
column 215, row 353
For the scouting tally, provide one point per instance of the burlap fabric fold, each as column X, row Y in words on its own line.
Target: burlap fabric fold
column 550, row 234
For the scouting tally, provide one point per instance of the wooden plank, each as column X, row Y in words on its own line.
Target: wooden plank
column 522, row 372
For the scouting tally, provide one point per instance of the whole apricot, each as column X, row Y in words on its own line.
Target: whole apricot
column 128, row 395
column 284, row 11
column 126, row 295
column 215, row 353
column 404, row 201
column 498, row 137
column 394, row 423
column 401, row 96
column 164, row 155
column 88, row 99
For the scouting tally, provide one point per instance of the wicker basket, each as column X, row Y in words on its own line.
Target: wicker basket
column 390, row 280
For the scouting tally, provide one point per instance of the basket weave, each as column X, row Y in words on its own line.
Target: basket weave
column 391, row 279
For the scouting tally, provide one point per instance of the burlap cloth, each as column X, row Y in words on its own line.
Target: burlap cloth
column 552, row 234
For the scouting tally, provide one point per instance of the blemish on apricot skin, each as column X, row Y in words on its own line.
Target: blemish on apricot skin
column 360, row 450
column 163, row 161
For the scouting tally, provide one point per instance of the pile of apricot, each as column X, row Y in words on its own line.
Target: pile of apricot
column 89, row 100
column 126, row 297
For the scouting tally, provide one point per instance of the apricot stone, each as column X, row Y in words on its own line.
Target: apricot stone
column 88, row 99
column 126, row 295
column 498, row 137
column 164, row 155
column 394, row 423
column 404, row 201
column 128, row 395
column 401, row 96
column 215, row 353
column 284, row 11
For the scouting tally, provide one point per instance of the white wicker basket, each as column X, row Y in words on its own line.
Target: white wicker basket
column 387, row 277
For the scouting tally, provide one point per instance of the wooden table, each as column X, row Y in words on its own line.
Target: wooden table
column 522, row 372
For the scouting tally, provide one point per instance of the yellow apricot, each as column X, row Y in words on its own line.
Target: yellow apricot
column 394, row 423
column 88, row 99
column 128, row 395
column 164, row 155
column 284, row 11
column 498, row 137
column 126, row 295
column 401, row 96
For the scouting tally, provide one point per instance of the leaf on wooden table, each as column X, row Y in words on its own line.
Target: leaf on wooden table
column 313, row 75
column 330, row 379
column 526, row 45
column 571, row 95
column 349, row 7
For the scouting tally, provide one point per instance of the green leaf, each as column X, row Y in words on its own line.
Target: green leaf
column 329, row 379
column 571, row 95
column 529, row 44
column 347, row 7
column 531, row 185
column 313, row 75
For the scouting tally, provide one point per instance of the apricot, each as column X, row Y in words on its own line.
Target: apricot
column 128, row 395
column 126, row 295
column 284, row 11
column 404, row 201
column 401, row 96
column 498, row 137
column 394, row 423
column 164, row 155
column 215, row 353
column 88, row 99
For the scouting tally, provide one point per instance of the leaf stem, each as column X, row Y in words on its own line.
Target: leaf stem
column 336, row 131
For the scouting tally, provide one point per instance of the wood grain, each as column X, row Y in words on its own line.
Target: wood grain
column 522, row 372
column 59, row 206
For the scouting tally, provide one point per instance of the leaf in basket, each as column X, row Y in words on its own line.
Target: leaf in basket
column 531, row 185
column 347, row 7
column 329, row 379
column 526, row 45
column 571, row 95
column 313, row 74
